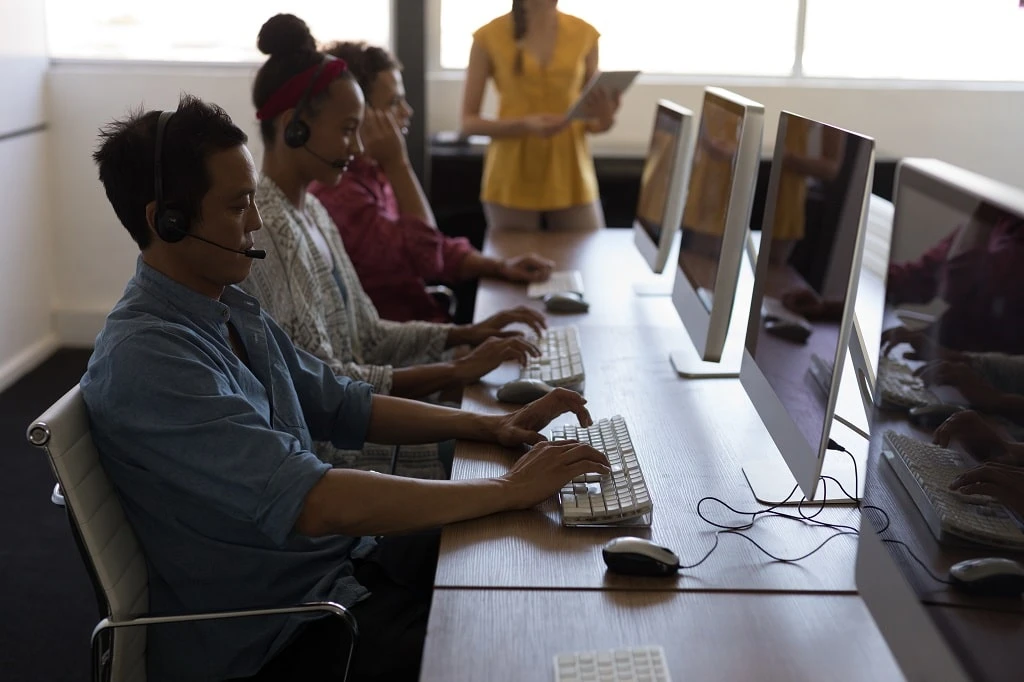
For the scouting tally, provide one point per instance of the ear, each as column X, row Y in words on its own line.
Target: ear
column 151, row 216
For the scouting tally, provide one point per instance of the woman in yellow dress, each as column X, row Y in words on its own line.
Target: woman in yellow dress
column 539, row 162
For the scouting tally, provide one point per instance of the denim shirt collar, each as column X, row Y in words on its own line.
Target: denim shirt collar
column 192, row 303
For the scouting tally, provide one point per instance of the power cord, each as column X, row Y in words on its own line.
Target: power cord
column 802, row 517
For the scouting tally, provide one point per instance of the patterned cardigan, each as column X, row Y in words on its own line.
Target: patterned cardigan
column 298, row 289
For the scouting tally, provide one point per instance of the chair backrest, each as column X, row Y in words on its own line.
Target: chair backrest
column 111, row 551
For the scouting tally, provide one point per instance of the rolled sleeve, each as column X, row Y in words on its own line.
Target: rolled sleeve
column 282, row 500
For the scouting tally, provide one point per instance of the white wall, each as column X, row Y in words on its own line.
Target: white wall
column 26, row 336
column 977, row 129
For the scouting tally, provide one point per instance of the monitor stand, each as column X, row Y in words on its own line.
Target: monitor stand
column 770, row 481
column 688, row 364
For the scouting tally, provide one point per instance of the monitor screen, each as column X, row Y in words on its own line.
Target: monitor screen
column 707, row 201
column 799, row 319
column 657, row 173
column 952, row 348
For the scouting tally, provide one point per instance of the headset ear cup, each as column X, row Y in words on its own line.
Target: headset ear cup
column 171, row 225
column 296, row 133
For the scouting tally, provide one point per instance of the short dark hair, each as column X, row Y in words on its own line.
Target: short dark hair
column 292, row 50
column 365, row 61
column 126, row 152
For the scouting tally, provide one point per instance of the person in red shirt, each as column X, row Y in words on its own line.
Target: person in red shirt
column 383, row 215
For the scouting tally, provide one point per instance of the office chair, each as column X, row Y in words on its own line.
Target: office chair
column 445, row 296
column 111, row 552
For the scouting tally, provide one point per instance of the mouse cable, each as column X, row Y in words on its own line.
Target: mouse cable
column 772, row 511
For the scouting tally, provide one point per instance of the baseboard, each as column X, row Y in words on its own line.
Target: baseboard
column 27, row 360
column 78, row 328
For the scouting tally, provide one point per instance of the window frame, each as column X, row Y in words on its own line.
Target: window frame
column 796, row 77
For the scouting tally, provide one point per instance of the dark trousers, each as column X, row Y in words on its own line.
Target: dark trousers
column 392, row 621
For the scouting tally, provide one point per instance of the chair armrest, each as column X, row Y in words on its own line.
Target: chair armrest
column 330, row 607
column 440, row 291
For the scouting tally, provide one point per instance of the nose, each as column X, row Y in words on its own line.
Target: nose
column 255, row 221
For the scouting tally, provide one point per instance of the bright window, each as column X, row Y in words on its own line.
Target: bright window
column 743, row 37
column 973, row 40
column 199, row 30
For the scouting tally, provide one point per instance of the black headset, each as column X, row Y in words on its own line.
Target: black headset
column 171, row 223
column 296, row 133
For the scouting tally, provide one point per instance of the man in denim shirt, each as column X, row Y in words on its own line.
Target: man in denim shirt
column 204, row 414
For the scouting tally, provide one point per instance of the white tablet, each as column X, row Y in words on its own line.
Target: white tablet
column 615, row 82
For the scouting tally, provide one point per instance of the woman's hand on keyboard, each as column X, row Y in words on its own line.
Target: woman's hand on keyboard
column 979, row 392
column 522, row 425
column 528, row 267
column 494, row 325
column 924, row 347
column 542, row 471
column 491, row 353
column 977, row 435
column 1001, row 481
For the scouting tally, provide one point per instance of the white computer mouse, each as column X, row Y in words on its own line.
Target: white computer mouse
column 522, row 391
column 996, row 576
column 565, row 302
column 636, row 556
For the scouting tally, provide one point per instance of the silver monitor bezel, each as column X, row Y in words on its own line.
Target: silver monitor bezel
column 804, row 461
column 708, row 330
column 656, row 253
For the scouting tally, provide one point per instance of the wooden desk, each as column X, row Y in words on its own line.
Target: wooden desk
column 513, row 635
column 692, row 438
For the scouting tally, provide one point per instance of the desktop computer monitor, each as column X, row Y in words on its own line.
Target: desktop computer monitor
column 663, row 183
column 715, row 223
column 954, row 310
column 801, row 311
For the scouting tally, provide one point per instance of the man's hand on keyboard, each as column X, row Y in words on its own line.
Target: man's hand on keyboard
column 491, row 353
column 546, row 467
column 1001, row 481
column 978, row 437
column 924, row 347
column 494, row 325
column 522, row 425
column 528, row 267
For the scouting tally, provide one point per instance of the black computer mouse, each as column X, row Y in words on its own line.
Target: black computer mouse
column 992, row 576
column 788, row 329
column 565, row 302
column 931, row 416
column 636, row 556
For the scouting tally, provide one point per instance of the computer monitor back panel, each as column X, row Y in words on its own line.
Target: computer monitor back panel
column 811, row 246
column 716, row 217
column 663, row 183
column 954, row 291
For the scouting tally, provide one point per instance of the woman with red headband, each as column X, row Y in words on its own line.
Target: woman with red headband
column 383, row 214
column 310, row 109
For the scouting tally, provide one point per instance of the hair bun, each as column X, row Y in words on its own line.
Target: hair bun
column 285, row 33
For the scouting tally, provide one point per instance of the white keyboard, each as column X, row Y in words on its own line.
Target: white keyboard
column 899, row 388
column 563, row 280
column 560, row 363
column 622, row 496
column 926, row 471
column 616, row 665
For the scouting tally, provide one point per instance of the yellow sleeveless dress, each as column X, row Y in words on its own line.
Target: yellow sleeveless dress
column 537, row 173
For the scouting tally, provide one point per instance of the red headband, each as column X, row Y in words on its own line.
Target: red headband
column 289, row 94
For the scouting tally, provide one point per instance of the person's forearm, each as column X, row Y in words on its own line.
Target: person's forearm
column 597, row 126
column 1010, row 406
column 355, row 503
column 477, row 125
column 459, row 335
column 422, row 380
column 396, row 421
column 476, row 265
column 408, row 191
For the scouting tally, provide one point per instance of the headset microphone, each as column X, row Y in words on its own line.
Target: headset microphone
column 337, row 164
column 248, row 253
